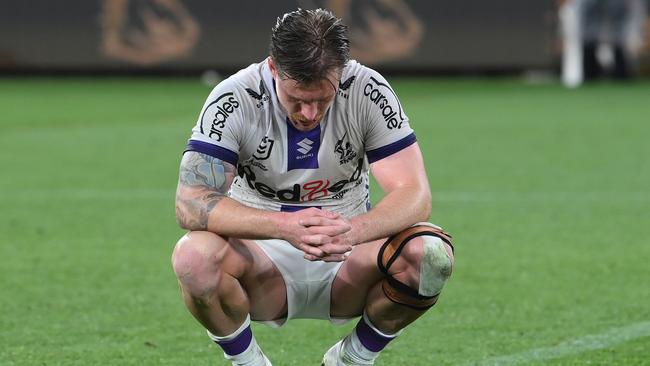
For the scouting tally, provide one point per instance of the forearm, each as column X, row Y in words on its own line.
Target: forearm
column 202, row 202
column 396, row 211
column 226, row 217
column 231, row 218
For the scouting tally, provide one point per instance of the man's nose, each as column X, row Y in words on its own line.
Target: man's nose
column 309, row 110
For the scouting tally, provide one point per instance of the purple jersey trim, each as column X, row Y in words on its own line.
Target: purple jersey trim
column 238, row 344
column 212, row 150
column 390, row 149
column 302, row 147
column 290, row 208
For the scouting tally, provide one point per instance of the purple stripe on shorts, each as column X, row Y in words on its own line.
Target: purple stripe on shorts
column 238, row 344
column 370, row 339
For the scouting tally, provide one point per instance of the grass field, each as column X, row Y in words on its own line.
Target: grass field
column 546, row 190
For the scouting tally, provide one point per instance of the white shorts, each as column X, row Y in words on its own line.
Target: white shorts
column 309, row 284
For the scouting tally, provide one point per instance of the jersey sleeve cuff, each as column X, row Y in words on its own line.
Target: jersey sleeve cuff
column 213, row 150
column 390, row 149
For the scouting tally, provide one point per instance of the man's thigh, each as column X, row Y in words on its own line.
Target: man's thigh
column 261, row 280
column 358, row 274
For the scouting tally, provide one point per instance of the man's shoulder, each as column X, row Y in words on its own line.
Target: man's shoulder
column 355, row 79
column 359, row 71
column 353, row 74
column 248, row 76
column 366, row 94
column 249, row 86
column 233, row 104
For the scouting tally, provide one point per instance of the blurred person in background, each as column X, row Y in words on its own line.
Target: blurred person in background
column 601, row 38
column 274, row 191
column 644, row 62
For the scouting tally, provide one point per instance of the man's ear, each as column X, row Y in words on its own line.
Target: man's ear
column 274, row 71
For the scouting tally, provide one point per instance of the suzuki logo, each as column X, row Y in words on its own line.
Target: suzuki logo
column 305, row 146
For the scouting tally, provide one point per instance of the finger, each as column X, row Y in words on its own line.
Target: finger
column 334, row 258
column 342, row 225
column 327, row 258
column 322, row 213
column 329, row 230
column 316, row 239
column 307, row 213
column 321, row 221
column 311, row 250
column 312, row 258
column 335, row 248
column 342, row 240
column 314, row 221
column 313, row 211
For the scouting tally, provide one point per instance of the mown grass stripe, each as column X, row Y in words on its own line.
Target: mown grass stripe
column 609, row 338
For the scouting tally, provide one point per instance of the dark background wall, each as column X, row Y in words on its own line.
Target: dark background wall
column 78, row 35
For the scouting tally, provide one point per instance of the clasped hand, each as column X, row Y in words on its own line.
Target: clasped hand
column 322, row 235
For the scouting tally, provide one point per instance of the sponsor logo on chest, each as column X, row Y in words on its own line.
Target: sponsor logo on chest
column 304, row 147
column 303, row 192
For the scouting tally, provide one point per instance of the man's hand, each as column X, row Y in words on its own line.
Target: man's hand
column 320, row 234
column 332, row 236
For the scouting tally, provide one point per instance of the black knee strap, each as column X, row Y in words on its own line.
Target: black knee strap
column 395, row 290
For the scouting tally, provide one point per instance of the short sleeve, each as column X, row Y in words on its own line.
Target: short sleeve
column 218, row 131
column 387, row 128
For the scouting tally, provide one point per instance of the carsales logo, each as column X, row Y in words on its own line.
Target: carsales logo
column 219, row 111
column 376, row 92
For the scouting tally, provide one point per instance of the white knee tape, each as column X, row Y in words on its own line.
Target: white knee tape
column 435, row 268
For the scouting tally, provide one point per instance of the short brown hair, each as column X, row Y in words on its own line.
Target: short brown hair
column 307, row 45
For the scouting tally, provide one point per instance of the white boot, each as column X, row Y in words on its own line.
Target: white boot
column 253, row 356
column 337, row 355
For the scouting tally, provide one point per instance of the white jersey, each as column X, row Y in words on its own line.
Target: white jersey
column 281, row 168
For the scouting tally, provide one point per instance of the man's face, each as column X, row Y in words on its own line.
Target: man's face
column 305, row 104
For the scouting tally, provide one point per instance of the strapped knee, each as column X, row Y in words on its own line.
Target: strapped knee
column 435, row 266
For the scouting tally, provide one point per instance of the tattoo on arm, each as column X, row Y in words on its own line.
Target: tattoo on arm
column 203, row 182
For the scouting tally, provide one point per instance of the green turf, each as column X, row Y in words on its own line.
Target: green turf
column 546, row 190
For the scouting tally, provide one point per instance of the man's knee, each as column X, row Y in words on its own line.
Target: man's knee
column 417, row 263
column 435, row 266
column 197, row 260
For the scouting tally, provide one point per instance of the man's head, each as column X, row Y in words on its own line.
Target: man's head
column 309, row 49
